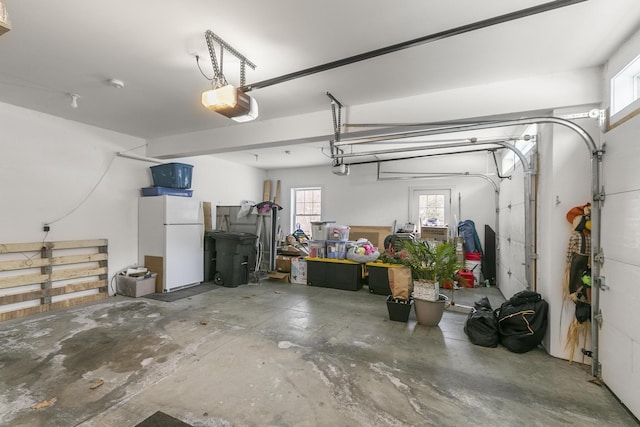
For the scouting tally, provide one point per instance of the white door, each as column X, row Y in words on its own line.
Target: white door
column 620, row 303
column 184, row 255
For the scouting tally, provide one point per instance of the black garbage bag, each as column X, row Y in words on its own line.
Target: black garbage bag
column 482, row 324
column 522, row 321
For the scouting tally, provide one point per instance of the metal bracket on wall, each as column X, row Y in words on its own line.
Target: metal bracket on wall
column 599, row 257
column 601, row 283
column 598, row 318
column 599, row 197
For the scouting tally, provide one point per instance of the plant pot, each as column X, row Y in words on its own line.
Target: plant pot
column 399, row 311
column 429, row 313
column 426, row 290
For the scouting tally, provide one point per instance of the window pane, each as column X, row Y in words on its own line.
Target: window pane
column 307, row 208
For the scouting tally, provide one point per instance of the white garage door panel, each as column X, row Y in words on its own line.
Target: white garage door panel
column 619, row 303
column 517, row 222
column 621, row 227
column 516, row 261
column 505, row 222
column 619, row 349
column 622, row 369
column 621, row 160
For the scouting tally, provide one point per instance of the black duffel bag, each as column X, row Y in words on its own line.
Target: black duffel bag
column 482, row 324
column 522, row 321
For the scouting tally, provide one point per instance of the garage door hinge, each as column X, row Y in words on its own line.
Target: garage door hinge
column 599, row 257
column 598, row 318
column 601, row 283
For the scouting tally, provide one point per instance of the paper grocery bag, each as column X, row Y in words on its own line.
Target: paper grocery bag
column 400, row 282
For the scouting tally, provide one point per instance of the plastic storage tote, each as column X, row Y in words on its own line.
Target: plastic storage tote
column 172, row 175
column 160, row 191
column 317, row 249
column 337, row 249
column 339, row 232
column 320, row 229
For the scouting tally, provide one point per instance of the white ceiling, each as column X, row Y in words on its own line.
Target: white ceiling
column 75, row 46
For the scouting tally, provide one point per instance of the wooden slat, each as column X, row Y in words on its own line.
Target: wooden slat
column 15, row 314
column 37, row 278
column 9, row 315
column 21, row 264
column 6, row 248
column 74, row 273
column 73, row 244
column 51, row 292
column 93, row 264
column 23, row 280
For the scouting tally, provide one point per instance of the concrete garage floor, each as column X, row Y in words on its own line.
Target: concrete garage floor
column 279, row 354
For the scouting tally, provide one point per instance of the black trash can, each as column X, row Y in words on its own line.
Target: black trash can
column 230, row 256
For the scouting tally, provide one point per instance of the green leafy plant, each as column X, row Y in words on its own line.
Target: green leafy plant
column 431, row 263
column 391, row 256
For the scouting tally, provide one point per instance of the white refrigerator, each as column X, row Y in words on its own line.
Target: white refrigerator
column 172, row 227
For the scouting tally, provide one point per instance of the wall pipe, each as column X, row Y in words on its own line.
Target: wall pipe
column 596, row 155
column 141, row 158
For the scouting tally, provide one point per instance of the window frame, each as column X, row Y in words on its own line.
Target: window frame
column 294, row 204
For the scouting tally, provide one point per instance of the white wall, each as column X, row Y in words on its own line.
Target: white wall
column 49, row 166
column 222, row 182
column 359, row 199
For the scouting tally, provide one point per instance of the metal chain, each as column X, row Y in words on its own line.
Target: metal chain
column 218, row 76
column 212, row 53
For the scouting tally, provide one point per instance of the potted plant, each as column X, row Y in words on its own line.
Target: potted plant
column 430, row 264
column 389, row 276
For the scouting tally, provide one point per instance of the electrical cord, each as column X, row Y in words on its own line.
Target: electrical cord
column 199, row 68
column 87, row 196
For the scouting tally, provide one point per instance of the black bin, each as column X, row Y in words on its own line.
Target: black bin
column 230, row 257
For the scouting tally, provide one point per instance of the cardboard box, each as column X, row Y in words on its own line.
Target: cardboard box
column 280, row 277
column 374, row 234
column 156, row 263
column 135, row 286
column 434, row 233
column 299, row 271
column 283, row 263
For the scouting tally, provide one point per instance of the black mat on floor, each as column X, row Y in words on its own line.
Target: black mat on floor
column 160, row 419
column 183, row 293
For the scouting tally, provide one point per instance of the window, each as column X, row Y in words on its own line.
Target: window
column 430, row 208
column 306, row 206
column 625, row 86
column 510, row 160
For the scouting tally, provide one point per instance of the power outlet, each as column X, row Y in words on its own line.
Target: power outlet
column 46, row 228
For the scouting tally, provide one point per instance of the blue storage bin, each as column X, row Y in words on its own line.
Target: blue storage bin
column 160, row 191
column 172, row 175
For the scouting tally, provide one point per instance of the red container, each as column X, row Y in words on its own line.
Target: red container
column 473, row 256
column 468, row 281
